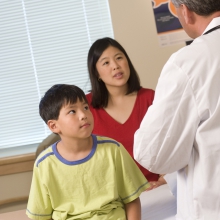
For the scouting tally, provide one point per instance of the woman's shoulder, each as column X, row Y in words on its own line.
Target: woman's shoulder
column 146, row 93
column 89, row 97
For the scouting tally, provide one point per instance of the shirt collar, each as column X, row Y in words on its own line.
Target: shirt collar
column 215, row 22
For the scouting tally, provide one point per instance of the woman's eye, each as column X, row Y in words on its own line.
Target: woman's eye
column 86, row 107
column 118, row 58
column 105, row 63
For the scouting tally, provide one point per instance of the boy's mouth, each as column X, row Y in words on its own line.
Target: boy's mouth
column 85, row 125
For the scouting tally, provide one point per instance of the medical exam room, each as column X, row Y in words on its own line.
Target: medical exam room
column 53, row 44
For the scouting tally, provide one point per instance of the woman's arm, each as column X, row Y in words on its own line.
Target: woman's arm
column 133, row 210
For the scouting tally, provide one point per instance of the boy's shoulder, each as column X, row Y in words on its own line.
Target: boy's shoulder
column 109, row 145
column 44, row 155
column 103, row 140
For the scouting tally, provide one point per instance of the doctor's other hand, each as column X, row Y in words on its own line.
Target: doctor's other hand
column 155, row 184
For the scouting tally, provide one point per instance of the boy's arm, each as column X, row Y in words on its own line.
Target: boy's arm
column 133, row 210
column 39, row 203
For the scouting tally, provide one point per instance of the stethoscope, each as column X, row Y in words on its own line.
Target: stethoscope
column 207, row 32
column 212, row 29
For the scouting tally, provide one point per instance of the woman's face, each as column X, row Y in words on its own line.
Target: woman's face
column 113, row 68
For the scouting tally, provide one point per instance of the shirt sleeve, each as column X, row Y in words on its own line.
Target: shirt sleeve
column 39, row 204
column 130, row 180
column 164, row 141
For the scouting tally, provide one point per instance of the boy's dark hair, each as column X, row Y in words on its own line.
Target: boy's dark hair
column 99, row 90
column 58, row 96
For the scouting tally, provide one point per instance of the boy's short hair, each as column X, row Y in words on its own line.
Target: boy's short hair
column 58, row 96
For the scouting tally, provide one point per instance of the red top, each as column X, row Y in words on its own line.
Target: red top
column 105, row 125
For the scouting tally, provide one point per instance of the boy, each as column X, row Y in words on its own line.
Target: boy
column 83, row 176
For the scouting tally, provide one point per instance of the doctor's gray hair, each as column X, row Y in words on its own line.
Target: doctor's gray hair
column 200, row 7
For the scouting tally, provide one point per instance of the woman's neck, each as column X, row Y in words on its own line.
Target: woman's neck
column 120, row 105
column 116, row 93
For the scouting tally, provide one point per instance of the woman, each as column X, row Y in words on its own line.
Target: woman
column 117, row 100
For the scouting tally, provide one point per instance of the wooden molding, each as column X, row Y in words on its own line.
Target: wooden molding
column 13, row 200
column 17, row 164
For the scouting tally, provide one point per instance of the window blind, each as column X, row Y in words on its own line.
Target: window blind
column 42, row 43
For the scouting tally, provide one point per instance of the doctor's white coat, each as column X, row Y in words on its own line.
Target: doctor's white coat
column 181, row 130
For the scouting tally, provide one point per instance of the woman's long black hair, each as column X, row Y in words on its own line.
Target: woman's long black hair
column 99, row 90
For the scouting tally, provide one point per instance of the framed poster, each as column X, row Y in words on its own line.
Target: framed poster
column 168, row 27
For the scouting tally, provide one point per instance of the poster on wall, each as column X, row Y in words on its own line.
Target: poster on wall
column 169, row 29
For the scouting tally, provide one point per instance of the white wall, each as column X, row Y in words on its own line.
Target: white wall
column 134, row 27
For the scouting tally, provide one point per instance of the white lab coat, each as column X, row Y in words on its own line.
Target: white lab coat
column 181, row 130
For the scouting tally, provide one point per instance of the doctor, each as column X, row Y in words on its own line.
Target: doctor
column 181, row 130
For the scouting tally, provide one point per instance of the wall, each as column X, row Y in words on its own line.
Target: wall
column 134, row 27
column 14, row 187
column 15, row 180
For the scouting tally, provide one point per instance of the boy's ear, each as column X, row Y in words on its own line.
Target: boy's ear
column 53, row 126
column 188, row 15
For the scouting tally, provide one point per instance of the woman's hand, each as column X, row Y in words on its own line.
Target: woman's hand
column 155, row 184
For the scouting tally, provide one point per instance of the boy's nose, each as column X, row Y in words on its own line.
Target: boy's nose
column 83, row 116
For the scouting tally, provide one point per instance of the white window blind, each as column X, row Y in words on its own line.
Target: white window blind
column 42, row 43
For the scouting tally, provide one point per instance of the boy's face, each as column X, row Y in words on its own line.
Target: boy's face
column 75, row 121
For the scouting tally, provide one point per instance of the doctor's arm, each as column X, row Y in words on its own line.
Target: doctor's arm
column 164, row 141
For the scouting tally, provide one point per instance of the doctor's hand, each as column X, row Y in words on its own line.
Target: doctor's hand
column 155, row 184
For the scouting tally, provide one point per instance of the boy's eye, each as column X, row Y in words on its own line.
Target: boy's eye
column 72, row 112
column 118, row 58
column 86, row 107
